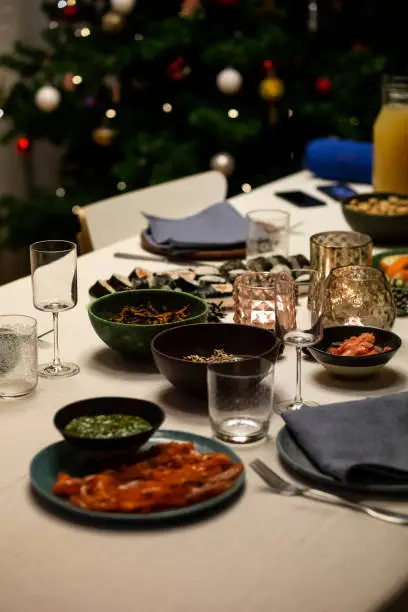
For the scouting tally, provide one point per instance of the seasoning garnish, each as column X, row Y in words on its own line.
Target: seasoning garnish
column 107, row 426
column 218, row 356
column 147, row 314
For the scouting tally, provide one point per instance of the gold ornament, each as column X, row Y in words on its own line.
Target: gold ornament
column 112, row 22
column 271, row 88
column 103, row 136
column 189, row 8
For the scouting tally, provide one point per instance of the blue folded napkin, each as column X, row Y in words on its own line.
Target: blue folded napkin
column 218, row 226
column 359, row 441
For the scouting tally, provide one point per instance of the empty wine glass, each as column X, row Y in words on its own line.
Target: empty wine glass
column 299, row 312
column 54, row 281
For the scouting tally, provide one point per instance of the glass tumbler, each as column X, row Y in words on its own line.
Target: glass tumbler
column 18, row 355
column 330, row 250
column 240, row 399
column 268, row 233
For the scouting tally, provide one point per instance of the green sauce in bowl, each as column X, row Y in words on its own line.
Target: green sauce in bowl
column 105, row 426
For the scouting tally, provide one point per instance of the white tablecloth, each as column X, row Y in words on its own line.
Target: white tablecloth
column 264, row 553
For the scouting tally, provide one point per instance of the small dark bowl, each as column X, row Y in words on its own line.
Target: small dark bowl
column 171, row 346
column 383, row 229
column 354, row 367
column 109, row 405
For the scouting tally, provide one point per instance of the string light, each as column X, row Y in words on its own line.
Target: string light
column 60, row 192
column 167, row 108
column 290, row 113
column 61, row 4
column 53, row 25
column 1, row 113
column 246, row 187
column 139, row 37
column 110, row 113
column 77, row 79
column 233, row 113
column 84, row 32
column 121, row 185
column 71, row 2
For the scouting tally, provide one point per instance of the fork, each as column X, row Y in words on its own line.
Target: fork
column 282, row 487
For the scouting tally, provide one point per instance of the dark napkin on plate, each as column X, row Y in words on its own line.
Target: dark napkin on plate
column 218, row 226
column 359, row 441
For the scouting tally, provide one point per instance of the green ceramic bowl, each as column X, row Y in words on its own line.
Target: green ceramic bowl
column 135, row 340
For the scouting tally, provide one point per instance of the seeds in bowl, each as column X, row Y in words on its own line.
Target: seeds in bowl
column 391, row 206
column 217, row 356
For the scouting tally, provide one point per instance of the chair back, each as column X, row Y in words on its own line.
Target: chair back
column 120, row 217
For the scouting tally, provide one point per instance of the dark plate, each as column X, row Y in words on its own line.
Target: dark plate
column 60, row 457
column 292, row 456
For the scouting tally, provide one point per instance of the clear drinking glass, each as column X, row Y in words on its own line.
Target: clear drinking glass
column 18, row 355
column 299, row 313
column 268, row 233
column 240, row 399
column 54, row 281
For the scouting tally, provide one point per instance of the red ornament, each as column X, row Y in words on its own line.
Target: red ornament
column 70, row 11
column 268, row 65
column 23, row 145
column 176, row 69
column 323, row 85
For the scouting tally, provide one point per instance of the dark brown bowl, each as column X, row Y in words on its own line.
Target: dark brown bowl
column 383, row 229
column 152, row 413
column 171, row 346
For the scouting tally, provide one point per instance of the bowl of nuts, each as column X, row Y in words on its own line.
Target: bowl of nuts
column 384, row 216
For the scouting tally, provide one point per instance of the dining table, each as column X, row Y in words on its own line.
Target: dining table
column 263, row 553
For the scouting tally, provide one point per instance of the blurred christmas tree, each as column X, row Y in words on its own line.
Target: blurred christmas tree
column 136, row 92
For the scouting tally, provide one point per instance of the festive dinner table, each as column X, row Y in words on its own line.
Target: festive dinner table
column 265, row 552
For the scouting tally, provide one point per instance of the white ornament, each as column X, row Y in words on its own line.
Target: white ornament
column 229, row 81
column 223, row 162
column 47, row 98
column 123, row 7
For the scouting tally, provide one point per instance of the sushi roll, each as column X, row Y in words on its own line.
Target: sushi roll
column 140, row 274
column 140, row 283
column 205, row 271
column 120, row 283
column 299, row 261
column 228, row 266
column 233, row 275
column 160, row 281
column 186, row 282
column 259, row 264
column 207, row 291
column 101, row 288
column 279, row 260
column 280, row 268
column 211, row 279
column 223, row 289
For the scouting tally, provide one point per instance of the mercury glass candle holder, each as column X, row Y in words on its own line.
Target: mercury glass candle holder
column 330, row 250
column 254, row 298
column 358, row 295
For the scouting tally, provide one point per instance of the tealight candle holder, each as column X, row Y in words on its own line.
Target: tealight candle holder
column 254, row 298
column 330, row 250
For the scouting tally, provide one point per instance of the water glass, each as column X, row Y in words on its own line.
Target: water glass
column 18, row 355
column 268, row 233
column 240, row 399
column 54, row 282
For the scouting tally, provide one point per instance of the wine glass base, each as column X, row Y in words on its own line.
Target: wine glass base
column 292, row 405
column 49, row 370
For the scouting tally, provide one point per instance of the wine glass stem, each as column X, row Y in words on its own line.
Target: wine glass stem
column 56, row 362
column 298, row 397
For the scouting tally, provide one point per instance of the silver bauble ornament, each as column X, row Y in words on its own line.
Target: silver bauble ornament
column 47, row 98
column 123, row 7
column 223, row 162
column 229, row 81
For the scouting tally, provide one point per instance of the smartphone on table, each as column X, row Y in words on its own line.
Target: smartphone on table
column 338, row 191
column 300, row 198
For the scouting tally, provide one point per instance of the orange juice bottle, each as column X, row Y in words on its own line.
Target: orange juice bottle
column 390, row 171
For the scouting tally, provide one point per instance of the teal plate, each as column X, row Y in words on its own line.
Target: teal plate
column 293, row 456
column 60, row 457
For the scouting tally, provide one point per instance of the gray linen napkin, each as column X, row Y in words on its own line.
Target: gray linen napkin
column 357, row 441
column 219, row 225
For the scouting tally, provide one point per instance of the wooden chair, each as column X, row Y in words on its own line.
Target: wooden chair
column 120, row 217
